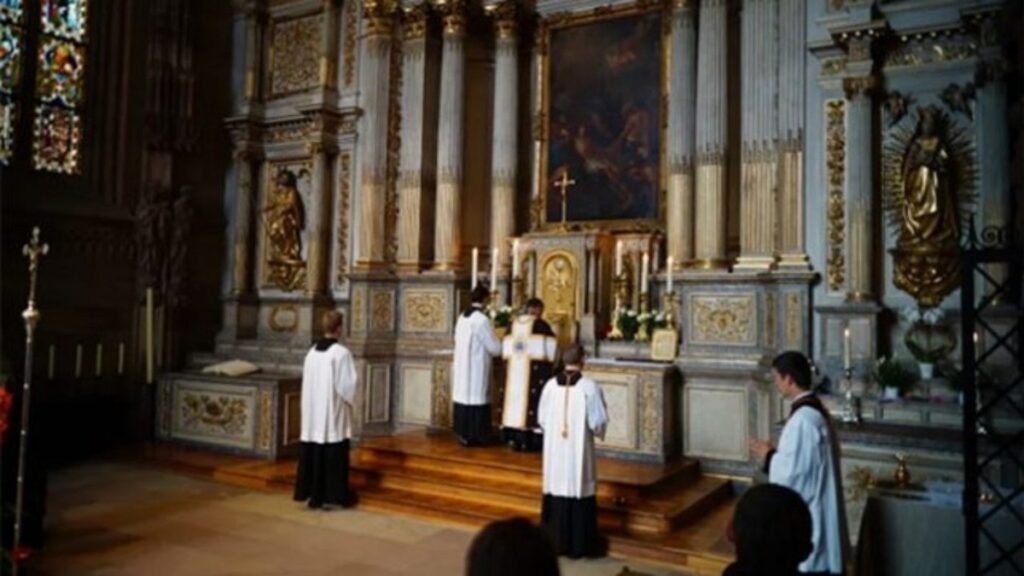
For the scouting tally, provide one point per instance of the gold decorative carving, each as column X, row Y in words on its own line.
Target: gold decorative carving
column 506, row 18
column 288, row 132
column 651, row 425
column 284, row 318
column 929, row 174
column 283, row 221
column 266, row 419
column 835, row 164
column 294, row 54
column 344, row 196
column 394, row 149
column 932, row 47
column 382, row 310
column 348, row 57
column 416, row 21
column 424, row 311
column 359, row 309
column 860, row 86
column 213, row 413
column 453, row 16
column 441, row 394
column 793, row 322
column 724, row 320
column 833, row 66
column 558, row 290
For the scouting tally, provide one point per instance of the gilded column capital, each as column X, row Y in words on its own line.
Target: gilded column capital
column 453, row 14
column 861, row 43
column 379, row 16
column 860, row 86
column 506, row 16
column 681, row 5
column 417, row 21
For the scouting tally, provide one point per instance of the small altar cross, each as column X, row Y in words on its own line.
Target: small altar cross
column 563, row 183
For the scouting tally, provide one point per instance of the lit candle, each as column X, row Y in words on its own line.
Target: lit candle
column 149, row 335
column 846, row 348
column 99, row 359
column 78, row 361
column 120, row 358
column 618, row 257
column 644, row 269
column 668, row 274
column 52, row 362
column 476, row 261
column 494, row 269
column 515, row 258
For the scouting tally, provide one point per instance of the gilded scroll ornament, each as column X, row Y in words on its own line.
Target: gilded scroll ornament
column 727, row 320
column 930, row 173
column 382, row 310
column 266, row 419
column 835, row 163
column 344, row 199
column 348, row 58
column 284, row 220
column 424, row 311
column 294, row 48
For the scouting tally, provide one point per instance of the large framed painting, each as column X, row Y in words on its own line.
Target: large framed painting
column 603, row 82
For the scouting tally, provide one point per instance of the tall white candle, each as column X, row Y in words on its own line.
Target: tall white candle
column 99, row 359
column 618, row 257
column 515, row 258
column 78, row 361
column 120, row 358
column 645, row 266
column 668, row 274
column 476, row 263
column 51, row 364
column 149, row 335
column 494, row 269
column 846, row 348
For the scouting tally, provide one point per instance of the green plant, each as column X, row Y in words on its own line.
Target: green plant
column 628, row 322
column 929, row 343
column 501, row 317
column 892, row 373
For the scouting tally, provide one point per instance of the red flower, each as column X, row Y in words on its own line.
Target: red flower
column 21, row 553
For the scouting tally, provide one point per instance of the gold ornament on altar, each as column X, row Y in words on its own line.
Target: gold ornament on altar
column 929, row 174
column 283, row 219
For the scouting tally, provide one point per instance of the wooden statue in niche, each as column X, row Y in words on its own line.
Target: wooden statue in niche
column 283, row 219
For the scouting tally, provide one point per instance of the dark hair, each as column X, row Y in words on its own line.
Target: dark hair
column 574, row 354
column 512, row 547
column 480, row 294
column 772, row 529
column 795, row 365
column 330, row 322
column 534, row 303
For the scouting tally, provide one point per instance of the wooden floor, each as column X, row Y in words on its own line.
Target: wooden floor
column 665, row 513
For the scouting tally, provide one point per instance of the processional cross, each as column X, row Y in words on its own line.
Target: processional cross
column 563, row 183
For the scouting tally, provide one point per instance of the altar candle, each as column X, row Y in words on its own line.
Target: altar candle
column 476, row 261
column 846, row 348
column 120, row 358
column 668, row 274
column 644, row 269
column 149, row 335
column 515, row 258
column 494, row 269
column 99, row 359
column 618, row 257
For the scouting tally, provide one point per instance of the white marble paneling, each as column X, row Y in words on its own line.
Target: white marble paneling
column 715, row 422
column 620, row 397
column 416, row 398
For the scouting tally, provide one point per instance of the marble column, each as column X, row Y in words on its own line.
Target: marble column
column 329, row 46
column 994, row 150
column 318, row 220
column 504, row 138
column 792, row 78
column 411, row 181
column 242, row 241
column 758, row 171
column 859, row 179
column 447, row 231
column 712, row 111
column 374, row 82
column 255, row 21
column 681, row 134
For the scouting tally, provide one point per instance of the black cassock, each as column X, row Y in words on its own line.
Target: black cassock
column 531, row 439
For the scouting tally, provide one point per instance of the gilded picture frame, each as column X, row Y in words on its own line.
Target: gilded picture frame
column 634, row 163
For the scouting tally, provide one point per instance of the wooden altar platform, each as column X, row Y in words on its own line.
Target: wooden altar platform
column 668, row 513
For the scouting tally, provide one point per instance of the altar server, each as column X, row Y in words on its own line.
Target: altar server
column 572, row 412
column 529, row 353
column 475, row 345
column 328, row 395
column 807, row 461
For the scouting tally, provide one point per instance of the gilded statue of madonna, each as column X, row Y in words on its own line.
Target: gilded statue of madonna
column 283, row 220
column 929, row 198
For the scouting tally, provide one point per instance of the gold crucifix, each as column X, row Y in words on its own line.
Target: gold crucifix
column 563, row 183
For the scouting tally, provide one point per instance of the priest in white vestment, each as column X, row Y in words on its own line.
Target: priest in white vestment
column 328, row 395
column 475, row 346
column 807, row 461
column 529, row 353
column 572, row 412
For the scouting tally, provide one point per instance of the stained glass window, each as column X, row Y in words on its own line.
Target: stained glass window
column 12, row 39
column 57, row 128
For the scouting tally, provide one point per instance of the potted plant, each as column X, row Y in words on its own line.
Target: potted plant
column 893, row 377
column 501, row 319
column 927, row 340
column 628, row 323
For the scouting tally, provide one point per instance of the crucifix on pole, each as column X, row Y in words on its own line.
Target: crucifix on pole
column 563, row 182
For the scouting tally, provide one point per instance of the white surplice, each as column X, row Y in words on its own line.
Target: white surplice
column 571, row 417
column 520, row 349
column 328, row 393
column 475, row 344
column 807, row 461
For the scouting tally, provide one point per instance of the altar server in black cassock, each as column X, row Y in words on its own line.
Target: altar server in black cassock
column 328, row 395
column 529, row 352
column 475, row 346
column 572, row 412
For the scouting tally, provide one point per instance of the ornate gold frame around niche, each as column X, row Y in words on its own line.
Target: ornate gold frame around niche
column 269, row 172
column 542, row 120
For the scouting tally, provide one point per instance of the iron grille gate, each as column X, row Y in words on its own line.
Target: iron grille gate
column 993, row 392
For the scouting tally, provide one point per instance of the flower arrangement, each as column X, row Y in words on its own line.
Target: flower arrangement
column 501, row 316
column 891, row 373
column 927, row 340
column 628, row 323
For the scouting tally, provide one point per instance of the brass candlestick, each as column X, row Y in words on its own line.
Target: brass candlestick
column 668, row 303
column 644, row 302
column 851, row 404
